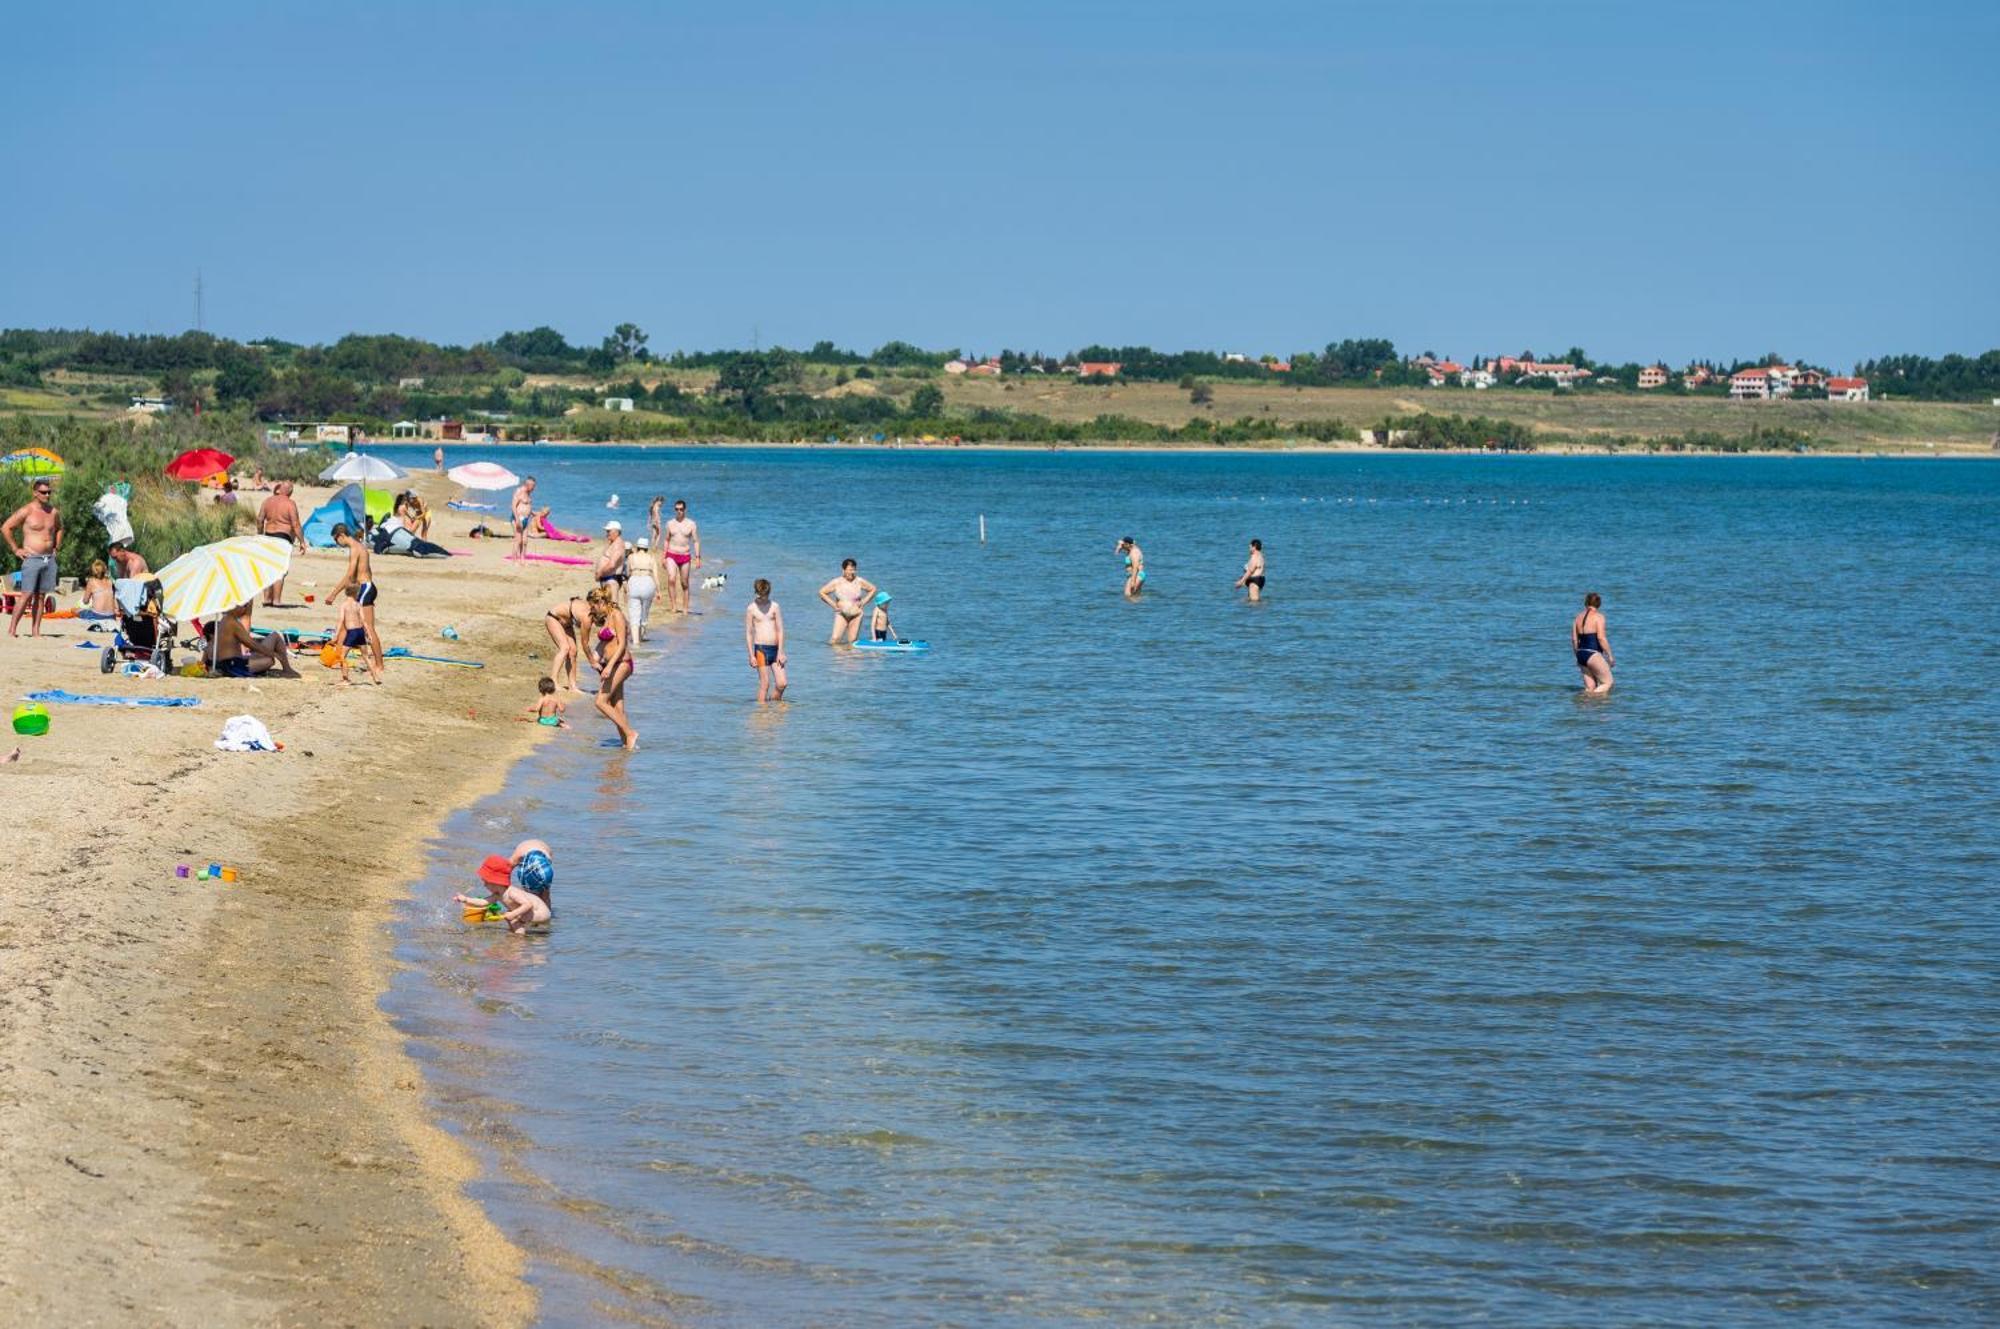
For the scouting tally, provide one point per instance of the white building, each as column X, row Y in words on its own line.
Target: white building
column 1750, row 384
column 617, row 403
column 1848, row 389
column 151, row 405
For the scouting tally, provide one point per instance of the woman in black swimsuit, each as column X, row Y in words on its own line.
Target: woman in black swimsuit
column 567, row 623
column 1591, row 641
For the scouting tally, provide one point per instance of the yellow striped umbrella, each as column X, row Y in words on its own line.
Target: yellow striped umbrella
column 208, row 580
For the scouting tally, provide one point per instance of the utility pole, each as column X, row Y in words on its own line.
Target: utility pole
column 197, row 301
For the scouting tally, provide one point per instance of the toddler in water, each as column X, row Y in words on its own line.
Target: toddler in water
column 548, row 708
column 878, row 623
column 520, row 885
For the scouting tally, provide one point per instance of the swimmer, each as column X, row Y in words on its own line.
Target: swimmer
column 1135, row 567
column 764, row 634
column 1591, row 640
column 1253, row 572
column 845, row 595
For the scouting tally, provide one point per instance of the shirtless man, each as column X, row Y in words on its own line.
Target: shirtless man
column 1253, row 572
column 683, row 548
column 40, row 541
column 128, row 561
column 845, row 595
column 437, row 460
column 524, row 512
column 610, row 570
column 240, row 653
column 361, row 576
column 278, row 519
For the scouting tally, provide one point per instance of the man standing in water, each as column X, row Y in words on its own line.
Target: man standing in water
column 683, row 549
column 524, row 512
column 1253, row 572
column 845, row 595
column 41, row 540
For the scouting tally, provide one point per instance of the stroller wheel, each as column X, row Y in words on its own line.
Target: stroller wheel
column 107, row 661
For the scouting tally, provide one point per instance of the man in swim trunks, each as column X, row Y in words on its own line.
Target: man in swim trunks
column 1253, row 572
column 523, row 509
column 683, row 548
column 611, row 571
column 845, row 595
column 361, row 576
column 40, row 541
column 241, row 653
column 278, row 518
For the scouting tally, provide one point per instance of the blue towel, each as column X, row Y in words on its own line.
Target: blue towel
column 470, row 507
column 89, row 699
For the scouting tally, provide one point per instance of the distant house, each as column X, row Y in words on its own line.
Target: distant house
column 1653, row 376
column 1477, row 378
column 1099, row 369
column 1443, row 372
column 1234, row 358
column 1562, row 375
column 1750, row 384
column 988, row 368
column 1280, row 366
column 1783, row 379
column 617, row 403
column 405, row 429
column 409, row 382
column 1809, row 378
column 151, row 405
column 956, row 366
column 1697, row 376
column 1847, row 389
column 450, row 430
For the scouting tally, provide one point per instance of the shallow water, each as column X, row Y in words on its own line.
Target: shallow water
column 1324, row 961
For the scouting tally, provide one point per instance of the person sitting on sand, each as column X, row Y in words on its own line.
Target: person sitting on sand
column 240, row 653
column 845, row 595
column 100, row 598
column 1590, row 639
column 1253, row 572
column 879, row 626
column 547, row 708
column 350, row 632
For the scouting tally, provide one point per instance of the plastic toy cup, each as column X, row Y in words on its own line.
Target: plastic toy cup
column 215, row 869
column 181, row 870
column 229, row 874
column 309, row 597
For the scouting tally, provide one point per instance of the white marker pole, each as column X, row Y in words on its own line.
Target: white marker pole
column 982, row 528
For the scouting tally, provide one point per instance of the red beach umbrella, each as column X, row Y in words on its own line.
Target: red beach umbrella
column 199, row 464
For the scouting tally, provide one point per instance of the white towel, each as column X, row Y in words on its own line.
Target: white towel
column 245, row 733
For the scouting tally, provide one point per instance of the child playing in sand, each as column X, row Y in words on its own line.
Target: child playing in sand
column 548, row 708
column 520, row 884
column 878, row 622
column 351, row 631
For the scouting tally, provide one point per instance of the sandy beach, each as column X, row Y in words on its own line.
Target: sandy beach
column 210, row 1121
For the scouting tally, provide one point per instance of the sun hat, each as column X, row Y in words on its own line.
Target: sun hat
column 644, row 543
column 496, row 871
column 613, row 525
column 883, row 597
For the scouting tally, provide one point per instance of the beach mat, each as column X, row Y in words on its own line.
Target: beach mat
column 552, row 558
column 61, row 697
column 405, row 653
column 469, row 507
column 554, row 532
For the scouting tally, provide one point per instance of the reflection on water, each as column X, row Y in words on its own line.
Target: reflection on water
column 1327, row 960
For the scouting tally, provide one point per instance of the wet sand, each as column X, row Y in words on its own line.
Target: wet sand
column 209, row 1119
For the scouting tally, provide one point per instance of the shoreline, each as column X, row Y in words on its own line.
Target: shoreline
column 1916, row 452
column 212, row 1119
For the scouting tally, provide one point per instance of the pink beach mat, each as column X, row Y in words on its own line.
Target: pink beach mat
column 551, row 558
column 554, row 532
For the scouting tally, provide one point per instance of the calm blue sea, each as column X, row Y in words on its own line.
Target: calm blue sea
column 1328, row 961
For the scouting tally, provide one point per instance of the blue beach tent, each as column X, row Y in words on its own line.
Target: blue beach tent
column 345, row 506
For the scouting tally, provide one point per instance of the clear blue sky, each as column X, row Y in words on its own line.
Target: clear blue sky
column 1643, row 180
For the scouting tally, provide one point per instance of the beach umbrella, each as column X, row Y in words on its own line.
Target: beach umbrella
column 199, row 464
column 361, row 466
column 223, row 575
column 483, row 475
column 33, row 461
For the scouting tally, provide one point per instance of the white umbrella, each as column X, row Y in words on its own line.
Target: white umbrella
column 483, row 475
column 361, row 466
column 206, row 581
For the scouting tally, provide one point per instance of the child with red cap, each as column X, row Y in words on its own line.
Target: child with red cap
column 520, row 884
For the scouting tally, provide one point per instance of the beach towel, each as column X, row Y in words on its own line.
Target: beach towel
column 245, row 733
column 96, row 699
column 552, row 558
column 405, row 653
column 554, row 532
column 470, row 507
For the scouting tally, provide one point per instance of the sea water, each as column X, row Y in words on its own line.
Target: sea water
column 1324, row 961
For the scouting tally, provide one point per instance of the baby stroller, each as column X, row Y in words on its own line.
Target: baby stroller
column 145, row 633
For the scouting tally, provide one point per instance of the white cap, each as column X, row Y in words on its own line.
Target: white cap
column 644, row 543
column 613, row 525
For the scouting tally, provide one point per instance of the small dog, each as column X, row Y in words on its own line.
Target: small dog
column 715, row 583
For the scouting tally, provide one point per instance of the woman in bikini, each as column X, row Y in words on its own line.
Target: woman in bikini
column 613, row 658
column 1135, row 567
column 567, row 623
column 1590, row 639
